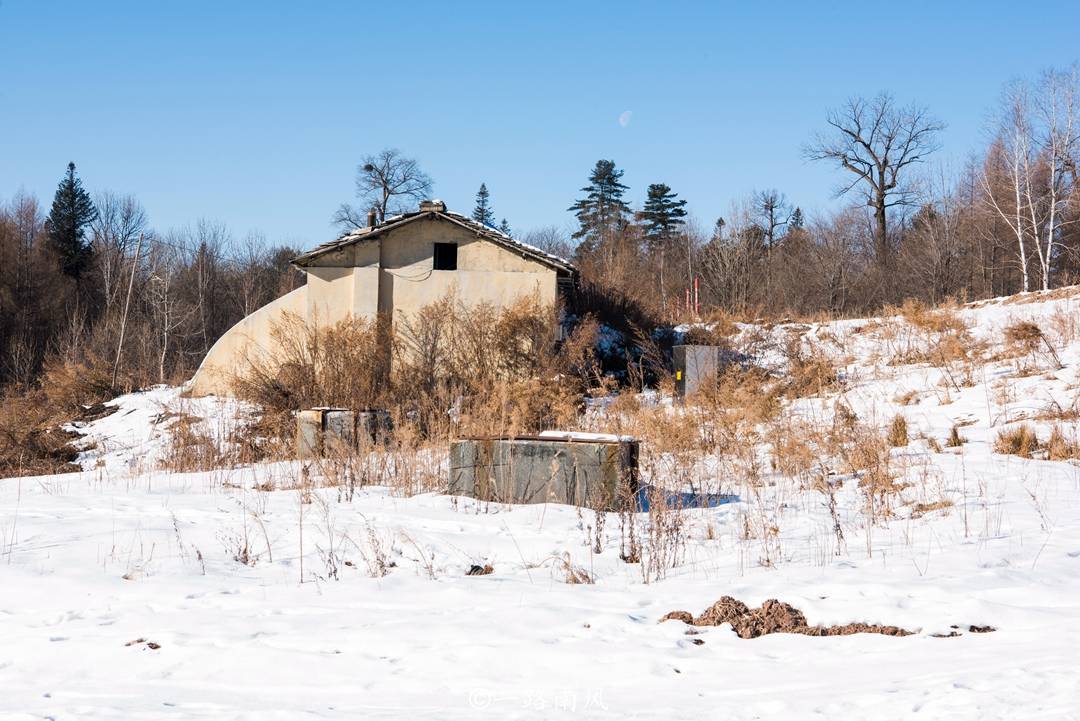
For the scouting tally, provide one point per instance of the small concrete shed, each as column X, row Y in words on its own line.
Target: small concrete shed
column 582, row 469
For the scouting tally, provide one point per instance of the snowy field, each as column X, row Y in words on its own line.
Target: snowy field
column 128, row 592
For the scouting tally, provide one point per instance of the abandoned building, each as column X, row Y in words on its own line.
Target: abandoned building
column 393, row 269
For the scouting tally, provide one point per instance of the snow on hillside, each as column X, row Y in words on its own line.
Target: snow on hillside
column 131, row 592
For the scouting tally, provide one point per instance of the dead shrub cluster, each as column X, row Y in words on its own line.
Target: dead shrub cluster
column 1024, row 441
column 1026, row 340
column 1018, row 441
column 810, row 372
column 938, row 336
column 449, row 369
column 898, row 431
column 32, row 441
column 191, row 448
column 32, row 438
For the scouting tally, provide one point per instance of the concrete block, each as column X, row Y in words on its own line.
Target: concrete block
column 339, row 431
column 329, row 431
column 373, row 427
column 695, row 365
column 594, row 471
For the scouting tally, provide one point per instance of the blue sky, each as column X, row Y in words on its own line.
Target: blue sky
column 255, row 114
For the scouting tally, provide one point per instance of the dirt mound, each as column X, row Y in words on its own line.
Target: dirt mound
column 849, row 628
column 726, row 610
column 684, row 616
column 773, row 616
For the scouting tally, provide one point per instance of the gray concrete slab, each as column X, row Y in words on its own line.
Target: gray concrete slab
column 597, row 474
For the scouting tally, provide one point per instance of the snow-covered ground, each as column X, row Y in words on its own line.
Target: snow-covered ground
column 124, row 591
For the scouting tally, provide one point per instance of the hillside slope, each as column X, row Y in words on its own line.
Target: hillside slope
column 268, row 591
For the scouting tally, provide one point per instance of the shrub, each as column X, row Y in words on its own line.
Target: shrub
column 31, row 440
column 1026, row 338
column 808, row 373
column 71, row 385
column 1060, row 448
column 1019, row 441
column 1025, row 335
column 898, row 431
column 447, row 369
column 941, row 320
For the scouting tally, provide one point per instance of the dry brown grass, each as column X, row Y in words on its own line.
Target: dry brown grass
column 1059, row 447
column 906, row 399
column 868, row 454
column 938, row 336
column 796, row 448
column 447, row 370
column 717, row 329
column 191, row 448
column 1065, row 325
column 1018, row 441
column 942, row 319
column 921, row 509
column 1026, row 339
column 572, row 573
column 897, row 436
column 31, row 440
column 68, row 386
column 809, row 372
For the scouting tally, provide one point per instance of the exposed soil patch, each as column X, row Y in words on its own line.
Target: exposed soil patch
column 94, row 411
column 773, row 617
column 140, row 641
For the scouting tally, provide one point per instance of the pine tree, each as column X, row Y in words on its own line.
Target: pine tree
column 602, row 211
column 504, row 227
column 796, row 222
column 660, row 218
column 662, row 214
column 72, row 210
column 718, row 229
column 483, row 213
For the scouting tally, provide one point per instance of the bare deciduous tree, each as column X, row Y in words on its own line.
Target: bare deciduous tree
column 772, row 213
column 1030, row 174
column 551, row 239
column 382, row 182
column 120, row 220
column 877, row 141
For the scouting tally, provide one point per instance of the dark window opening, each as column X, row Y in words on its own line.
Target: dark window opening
column 445, row 256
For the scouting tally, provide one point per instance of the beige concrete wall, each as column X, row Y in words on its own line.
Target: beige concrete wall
column 248, row 337
column 499, row 288
column 408, row 249
column 330, row 294
column 486, row 272
column 365, row 301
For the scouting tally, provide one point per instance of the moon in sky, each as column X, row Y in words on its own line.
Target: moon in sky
column 624, row 117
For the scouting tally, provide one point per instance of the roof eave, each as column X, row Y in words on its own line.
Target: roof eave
column 304, row 260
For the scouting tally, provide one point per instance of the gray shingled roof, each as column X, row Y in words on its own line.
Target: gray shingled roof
column 495, row 236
